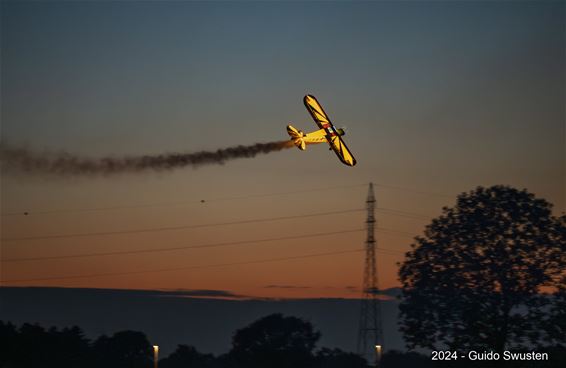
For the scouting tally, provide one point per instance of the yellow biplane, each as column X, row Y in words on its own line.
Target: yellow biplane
column 326, row 133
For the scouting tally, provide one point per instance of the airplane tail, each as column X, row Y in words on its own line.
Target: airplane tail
column 297, row 137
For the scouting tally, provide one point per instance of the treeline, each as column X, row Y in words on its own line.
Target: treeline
column 273, row 341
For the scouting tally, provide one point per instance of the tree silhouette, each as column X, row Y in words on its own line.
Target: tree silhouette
column 32, row 347
column 125, row 349
column 68, row 347
column 275, row 341
column 8, row 343
column 556, row 328
column 336, row 358
column 397, row 359
column 187, row 356
column 469, row 281
column 553, row 318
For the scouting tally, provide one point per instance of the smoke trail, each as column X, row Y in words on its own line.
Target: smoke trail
column 23, row 160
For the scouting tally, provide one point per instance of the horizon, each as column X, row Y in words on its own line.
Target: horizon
column 384, row 294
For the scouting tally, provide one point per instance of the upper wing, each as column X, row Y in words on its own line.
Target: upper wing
column 317, row 112
column 341, row 150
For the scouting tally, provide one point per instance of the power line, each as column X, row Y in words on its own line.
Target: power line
column 268, row 260
column 200, row 246
column 193, row 202
column 175, row 203
column 181, row 227
column 424, row 192
column 394, row 212
column 171, row 249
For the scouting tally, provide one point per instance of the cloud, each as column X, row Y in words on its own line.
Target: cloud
column 133, row 293
column 388, row 294
column 287, row 287
column 394, row 292
column 198, row 293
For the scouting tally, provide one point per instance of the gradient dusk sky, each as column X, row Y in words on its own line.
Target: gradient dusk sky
column 437, row 97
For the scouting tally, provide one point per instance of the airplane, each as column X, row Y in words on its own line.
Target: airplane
column 326, row 133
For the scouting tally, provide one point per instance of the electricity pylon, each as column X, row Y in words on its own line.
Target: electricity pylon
column 370, row 334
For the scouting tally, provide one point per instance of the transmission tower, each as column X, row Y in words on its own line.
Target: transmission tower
column 370, row 334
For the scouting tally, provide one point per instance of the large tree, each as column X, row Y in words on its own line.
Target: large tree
column 275, row 341
column 470, row 281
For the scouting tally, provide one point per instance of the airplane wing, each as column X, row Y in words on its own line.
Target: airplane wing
column 323, row 122
column 316, row 111
column 341, row 150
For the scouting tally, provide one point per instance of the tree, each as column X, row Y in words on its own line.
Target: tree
column 468, row 282
column 187, row 356
column 336, row 358
column 397, row 359
column 125, row 349
column 553, row 318
column 8, row 340
column 557, row 317
column 557, row 326
column 275, row 341
column 69, row 348
column 32, row 347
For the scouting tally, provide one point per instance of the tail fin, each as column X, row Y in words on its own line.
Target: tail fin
column 297, row 137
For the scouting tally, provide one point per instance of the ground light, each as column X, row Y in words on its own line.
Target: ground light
column 155, row 355
column 377, row 355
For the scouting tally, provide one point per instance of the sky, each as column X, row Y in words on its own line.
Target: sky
column 437, row 98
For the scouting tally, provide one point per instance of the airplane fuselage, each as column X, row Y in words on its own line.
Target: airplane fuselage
column 301, row 139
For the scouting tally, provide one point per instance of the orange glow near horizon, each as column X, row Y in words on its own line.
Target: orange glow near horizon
column 328, row 266
column 231, row 255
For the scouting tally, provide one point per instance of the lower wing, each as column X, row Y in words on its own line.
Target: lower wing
column 341, row 150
